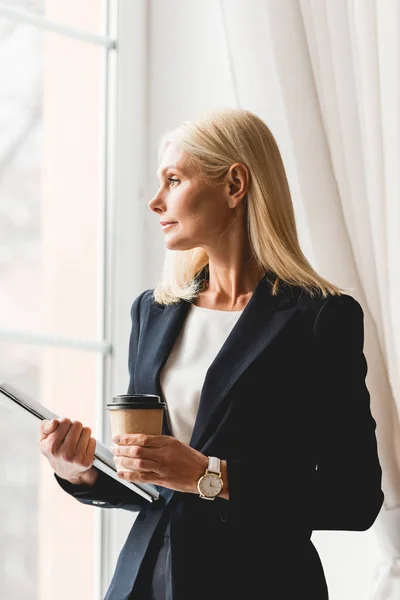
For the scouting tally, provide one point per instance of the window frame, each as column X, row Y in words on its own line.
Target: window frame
column 127, row 155
column 122, row 210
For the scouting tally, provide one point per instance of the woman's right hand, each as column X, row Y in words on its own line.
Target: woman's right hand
column 69, row 449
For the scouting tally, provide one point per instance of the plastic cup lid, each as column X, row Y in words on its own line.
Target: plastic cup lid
column 136, row 401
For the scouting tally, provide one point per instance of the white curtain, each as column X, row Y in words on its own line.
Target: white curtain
column 332, row 100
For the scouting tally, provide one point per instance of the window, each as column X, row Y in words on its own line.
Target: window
column 55, row 277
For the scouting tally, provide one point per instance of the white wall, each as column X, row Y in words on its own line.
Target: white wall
column 188, row 72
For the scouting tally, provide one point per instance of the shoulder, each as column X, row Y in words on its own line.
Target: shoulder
column 330, row 316
column 337, row 309
column 147, row 296
column 141, row 303
column 338, row 319
column 327, row 308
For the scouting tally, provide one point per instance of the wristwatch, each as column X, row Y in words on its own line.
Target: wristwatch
column 210, row 484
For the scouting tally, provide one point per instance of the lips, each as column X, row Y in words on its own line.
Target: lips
column 167, row 224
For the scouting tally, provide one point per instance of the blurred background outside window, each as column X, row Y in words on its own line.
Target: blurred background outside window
column 52, row 170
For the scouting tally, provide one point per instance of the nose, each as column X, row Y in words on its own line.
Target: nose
column 156, row 203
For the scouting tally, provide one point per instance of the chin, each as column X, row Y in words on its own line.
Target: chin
column 179, row 245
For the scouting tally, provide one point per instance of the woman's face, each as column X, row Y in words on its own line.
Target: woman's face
column 200, row 212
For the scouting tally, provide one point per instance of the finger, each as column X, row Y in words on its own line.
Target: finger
column 60, row 434
column 144, row 477
column 136, row 464
column 140, row 439
column 91, row 447
column 83, row 440
column 55, row 438
column 72, row 435
column 47, row 427
column 137, row 452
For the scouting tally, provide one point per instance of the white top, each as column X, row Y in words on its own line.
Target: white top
column 198, row 343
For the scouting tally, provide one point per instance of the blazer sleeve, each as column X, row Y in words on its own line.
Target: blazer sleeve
column 346, row 489
column 107, row 492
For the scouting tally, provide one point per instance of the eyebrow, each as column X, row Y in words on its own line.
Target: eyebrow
column 174, row 167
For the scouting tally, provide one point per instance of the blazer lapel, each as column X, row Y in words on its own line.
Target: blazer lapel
column 261, row 321
column 164, row 324
column 263, row 317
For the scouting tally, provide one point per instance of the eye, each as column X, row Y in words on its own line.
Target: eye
column 171, row 179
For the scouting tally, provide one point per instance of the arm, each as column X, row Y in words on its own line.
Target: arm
column 105, row 492
column 101, row 490
column 346, row 490
column 344, row 493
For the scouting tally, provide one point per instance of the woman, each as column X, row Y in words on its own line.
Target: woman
column 260, row 361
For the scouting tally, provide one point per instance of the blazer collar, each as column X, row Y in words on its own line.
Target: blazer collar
column 262, row 319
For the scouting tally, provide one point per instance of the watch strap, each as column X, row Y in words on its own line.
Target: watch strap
column 214, row 465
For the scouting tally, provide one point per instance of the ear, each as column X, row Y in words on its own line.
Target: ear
column 238, row 180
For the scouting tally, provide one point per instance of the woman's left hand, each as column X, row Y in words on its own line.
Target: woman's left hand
column 158, row 459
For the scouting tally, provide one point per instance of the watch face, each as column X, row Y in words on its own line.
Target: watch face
column 210, row 485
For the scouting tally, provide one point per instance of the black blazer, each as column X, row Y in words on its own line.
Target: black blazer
column 286, row 405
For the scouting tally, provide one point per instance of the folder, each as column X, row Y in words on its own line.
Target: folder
column 18, row 401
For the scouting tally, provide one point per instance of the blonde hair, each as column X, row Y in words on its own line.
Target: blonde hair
column 213, row 142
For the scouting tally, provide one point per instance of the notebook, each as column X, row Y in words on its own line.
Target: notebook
column 19, row 401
